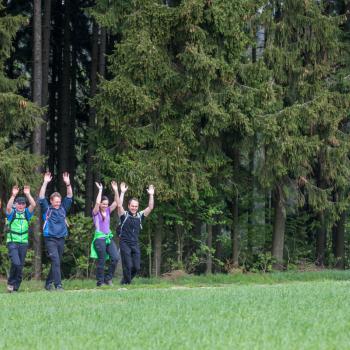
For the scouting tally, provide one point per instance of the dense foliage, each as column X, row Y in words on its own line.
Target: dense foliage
column 237, row 112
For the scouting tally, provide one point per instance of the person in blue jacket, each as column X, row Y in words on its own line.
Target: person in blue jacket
column 55, row 228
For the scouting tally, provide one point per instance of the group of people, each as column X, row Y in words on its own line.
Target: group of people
column 55, row 229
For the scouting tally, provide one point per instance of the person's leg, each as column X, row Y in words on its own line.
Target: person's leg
column 15, row 264
column 136, row 260
column 50, row 249
column 57, row 271
column 125, row 253
column 53, row 250
column 112, row 251
column 22, row 252
column 100, row 246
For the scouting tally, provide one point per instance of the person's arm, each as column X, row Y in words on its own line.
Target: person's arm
column 32, row 204
column 150, row 207
column 98, row 199
column 66, row 180
column 123, row 189
column 14, row 193
column 116, row 196
column 47, row 179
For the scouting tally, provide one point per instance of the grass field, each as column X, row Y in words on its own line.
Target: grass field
column 274, row 311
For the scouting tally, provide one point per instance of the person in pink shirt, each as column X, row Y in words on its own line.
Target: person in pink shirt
column 103, row 246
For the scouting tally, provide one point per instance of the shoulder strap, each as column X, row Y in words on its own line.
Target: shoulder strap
column 47, row 216
column 122, row 224
column 139, row 215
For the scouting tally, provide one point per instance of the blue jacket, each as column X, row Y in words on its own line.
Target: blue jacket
column 55, row 219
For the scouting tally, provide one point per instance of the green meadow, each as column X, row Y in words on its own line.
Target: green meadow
column 271, row 311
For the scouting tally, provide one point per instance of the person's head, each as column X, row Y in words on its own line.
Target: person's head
column 133, row 205
column 104, row 203
column 20, row 203
column 55, row 200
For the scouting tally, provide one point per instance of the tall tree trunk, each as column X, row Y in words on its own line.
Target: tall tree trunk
column 179, row 233
column 89, row 184
column 209, row 268
column 218, row 246
column 339, row 241
column 157, row 256
column 102, row 52
column 321, row 239
column 278, row 227
column 37, row 135
column 65, row 147
column 234, row 212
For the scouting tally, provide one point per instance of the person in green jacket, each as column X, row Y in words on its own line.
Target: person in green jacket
column 18, row 217
column 103, row 246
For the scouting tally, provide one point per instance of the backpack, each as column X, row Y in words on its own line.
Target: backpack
column 120, row 225
column 14, row 217
column 48, row 214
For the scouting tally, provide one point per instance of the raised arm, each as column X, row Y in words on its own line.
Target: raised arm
column 98, row 198
column 116, row 196
column 14, row 193
column 32, row 204
column 123, row 189
column 47, row 179
column 150, row 207
column 66, row 180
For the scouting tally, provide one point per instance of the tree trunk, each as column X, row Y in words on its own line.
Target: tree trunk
column 157, row 256
column 179, row 234
column 218, row 246
column 278, row 227
column 89, row 184
column 209, row 268
column 37, row 135
column 321, row 239
column 65, row 147
column 339, row 241
column 234, row 212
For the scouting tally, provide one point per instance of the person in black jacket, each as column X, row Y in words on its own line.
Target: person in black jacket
column 129, row 229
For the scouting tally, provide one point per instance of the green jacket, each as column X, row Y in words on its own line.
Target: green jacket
column 99, row 234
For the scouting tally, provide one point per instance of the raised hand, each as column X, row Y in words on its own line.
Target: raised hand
column 114, row 186
column 150, row 190
column 66, row 179
column 47, row 177
column 15, row 190
column 26, row 190
column 99, row 186
column 123, row 187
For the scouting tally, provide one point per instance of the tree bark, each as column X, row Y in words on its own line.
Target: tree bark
column 157, row 256
column 89, row 184
column 65, row 146
column 278, row 227
column 209, row 268
column 234, row 212
column 339, row 241
column 37, row 135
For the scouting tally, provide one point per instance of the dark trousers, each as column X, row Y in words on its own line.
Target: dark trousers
column 54, row 247
column 130, row 254
column 112, row 251
column 17, row 254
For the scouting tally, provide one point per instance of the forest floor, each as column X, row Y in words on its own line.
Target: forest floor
column 307, row 310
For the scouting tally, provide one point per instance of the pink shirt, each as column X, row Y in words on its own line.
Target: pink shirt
column 102, row 223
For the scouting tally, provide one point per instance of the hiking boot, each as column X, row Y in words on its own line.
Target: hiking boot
column 109, row 283
column 59, row 288
column 10, row 288
column 49, row 287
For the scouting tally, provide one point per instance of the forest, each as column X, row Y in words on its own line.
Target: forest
column 236, row 111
